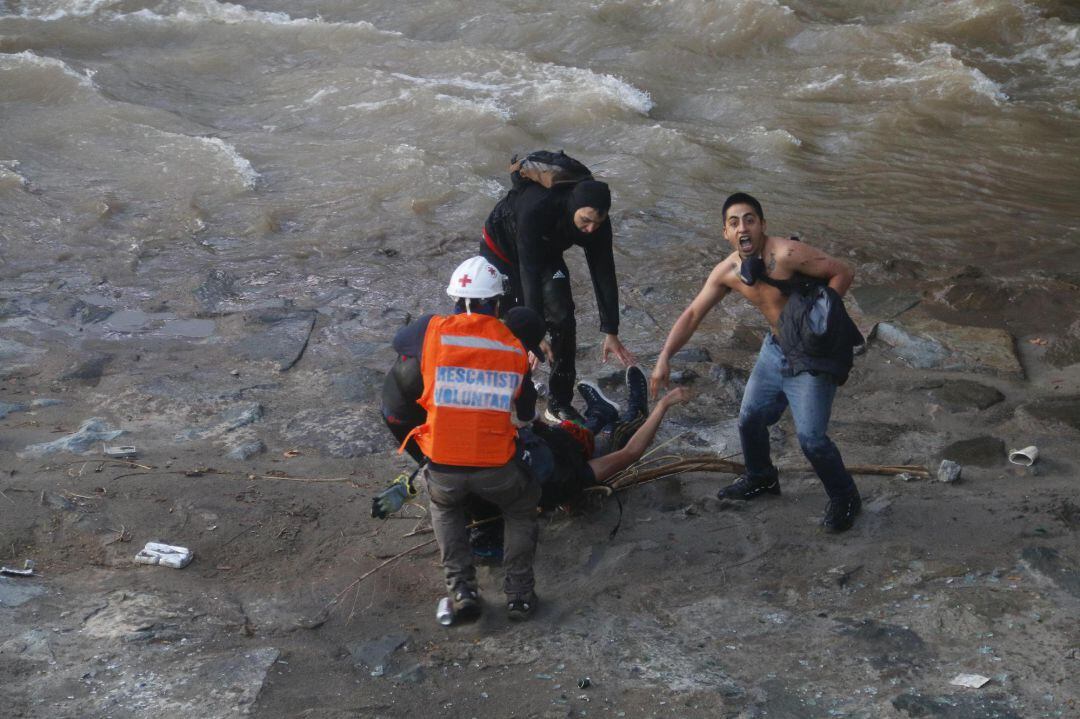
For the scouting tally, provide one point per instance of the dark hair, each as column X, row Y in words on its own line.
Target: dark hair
column 493, row 306
column 741, row 198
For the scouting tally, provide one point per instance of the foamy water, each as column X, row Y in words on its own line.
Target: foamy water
column 152, row 141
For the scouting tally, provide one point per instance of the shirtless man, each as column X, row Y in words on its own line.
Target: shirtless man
column 765, row 270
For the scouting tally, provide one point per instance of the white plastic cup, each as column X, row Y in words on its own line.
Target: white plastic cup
column 1024, row 457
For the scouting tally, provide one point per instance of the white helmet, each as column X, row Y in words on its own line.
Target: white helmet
column 477, row 279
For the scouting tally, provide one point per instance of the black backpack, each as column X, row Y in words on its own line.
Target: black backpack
column 549, row 168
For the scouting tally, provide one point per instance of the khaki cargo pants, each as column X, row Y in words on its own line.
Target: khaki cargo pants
column 514, row 491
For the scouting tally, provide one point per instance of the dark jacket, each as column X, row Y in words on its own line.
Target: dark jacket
column 530, row 229
column 817, row 334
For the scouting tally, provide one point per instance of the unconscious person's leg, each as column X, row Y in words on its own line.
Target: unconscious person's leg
column 605, row 467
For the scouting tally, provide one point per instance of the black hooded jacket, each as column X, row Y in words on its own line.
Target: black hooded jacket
column 531, row 227
column 817, row 334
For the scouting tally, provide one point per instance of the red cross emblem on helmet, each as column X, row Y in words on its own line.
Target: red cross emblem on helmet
column 465, row 280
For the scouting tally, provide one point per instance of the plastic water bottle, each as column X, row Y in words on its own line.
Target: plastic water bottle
column 445, row 613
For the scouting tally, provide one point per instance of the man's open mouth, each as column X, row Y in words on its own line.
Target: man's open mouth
column 745, row 244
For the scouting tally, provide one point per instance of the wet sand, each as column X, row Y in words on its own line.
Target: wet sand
column 260, row 445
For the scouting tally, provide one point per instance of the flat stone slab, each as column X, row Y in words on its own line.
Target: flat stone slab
column 16, row 592
column 89, row 436
column 376, row 654
column 926, row 343
column 342, row 433
column 188, row 685
column 280, row 336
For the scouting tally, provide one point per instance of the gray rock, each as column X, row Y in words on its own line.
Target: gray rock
column 887, row 646
column 411, row 675
column 683, row 376
column 920, row 352
column 85, row 313
column 88, row 369
column 982, row 451
column 230, row 420
column 343, row 433
column 244, row 674
column 7, row 408
column 90, row 434
column 246, row 450
column 219, row 287
column 692, row 354
column 962, row 394
column 15, row 592
column 926, row 343
column 949, row 471
column 281, row 337
column 376, row 654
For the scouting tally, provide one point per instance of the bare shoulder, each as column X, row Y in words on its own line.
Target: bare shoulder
column 725, row 272
column 789, row 254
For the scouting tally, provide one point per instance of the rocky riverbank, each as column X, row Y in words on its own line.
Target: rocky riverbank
column 259, row 445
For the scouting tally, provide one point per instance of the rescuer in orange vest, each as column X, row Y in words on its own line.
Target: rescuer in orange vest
column 477, row 391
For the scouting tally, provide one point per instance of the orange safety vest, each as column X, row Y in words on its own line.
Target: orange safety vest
column 473, row 367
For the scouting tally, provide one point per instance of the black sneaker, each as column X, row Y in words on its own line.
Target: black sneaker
column 557, row 412
column 840, row 514
column 599, row 410
column 521, row 608
column 747, row 487
column 637, row 388
column 466, row 603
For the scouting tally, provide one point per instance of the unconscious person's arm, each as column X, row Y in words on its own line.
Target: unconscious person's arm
column 607, row 466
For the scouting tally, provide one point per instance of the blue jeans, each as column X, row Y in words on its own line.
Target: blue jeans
column 768, row 393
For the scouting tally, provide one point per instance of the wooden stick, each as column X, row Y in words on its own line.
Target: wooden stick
column 640, row 475
column 368, row 573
